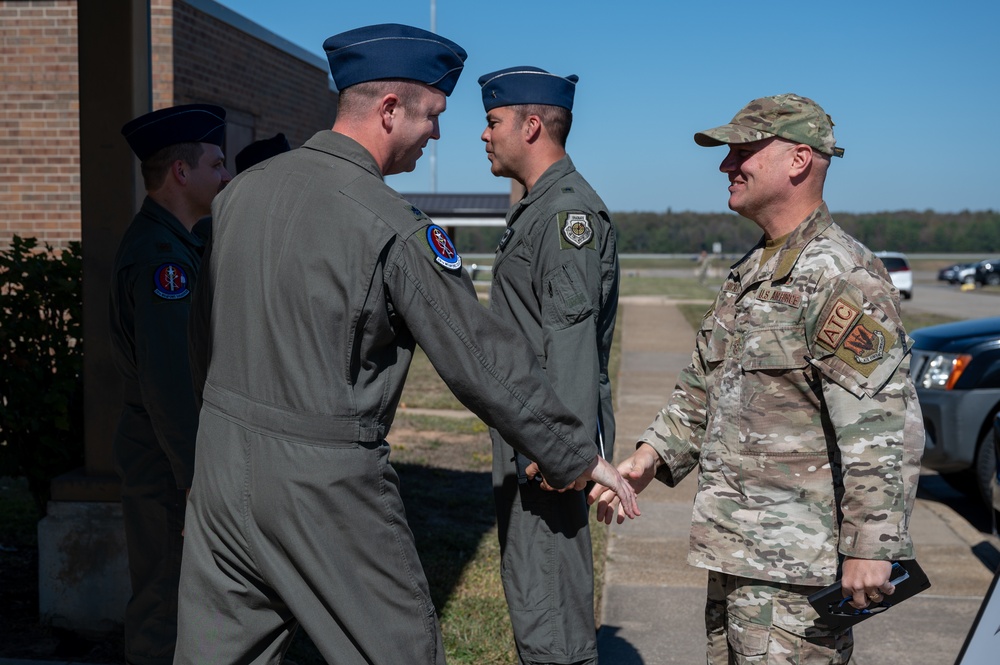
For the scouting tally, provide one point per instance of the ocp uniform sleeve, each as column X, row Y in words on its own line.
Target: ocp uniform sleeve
column 862, row 353
column 679, row 428
column 479, row 357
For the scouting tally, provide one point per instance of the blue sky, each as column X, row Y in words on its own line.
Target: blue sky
column 913, row 87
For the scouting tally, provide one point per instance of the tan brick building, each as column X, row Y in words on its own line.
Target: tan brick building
column 200, row 52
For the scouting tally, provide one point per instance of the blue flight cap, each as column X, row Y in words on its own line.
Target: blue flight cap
column 258, row 151
column 188, row 123
column 394, row 51
column 527, row 85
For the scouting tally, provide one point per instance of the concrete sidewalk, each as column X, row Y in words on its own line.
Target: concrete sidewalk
column 653, row 604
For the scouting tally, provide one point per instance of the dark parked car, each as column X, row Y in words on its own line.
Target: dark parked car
column 958, row 273
column 988, row 272
column 956, row 368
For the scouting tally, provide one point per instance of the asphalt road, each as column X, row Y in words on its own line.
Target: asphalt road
column 933, row 296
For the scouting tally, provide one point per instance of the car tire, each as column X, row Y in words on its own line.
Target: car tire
column 993, row 279
column 906, row 294
column 985, row 467
column 977, row 481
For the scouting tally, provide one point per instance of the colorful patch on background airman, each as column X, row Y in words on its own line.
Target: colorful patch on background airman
column 444, row 249
column 170, row 282
column 575, row 228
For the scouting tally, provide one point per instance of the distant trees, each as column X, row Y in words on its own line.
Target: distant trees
column 690, row 232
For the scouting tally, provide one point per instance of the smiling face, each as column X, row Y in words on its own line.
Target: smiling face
column 758, row 175
column 415, row 123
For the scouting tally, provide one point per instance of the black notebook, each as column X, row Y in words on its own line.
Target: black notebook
column 835, row 610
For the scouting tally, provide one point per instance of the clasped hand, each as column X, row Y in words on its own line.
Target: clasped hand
column 606, row 477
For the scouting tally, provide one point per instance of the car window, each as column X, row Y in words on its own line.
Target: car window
column 893, row 264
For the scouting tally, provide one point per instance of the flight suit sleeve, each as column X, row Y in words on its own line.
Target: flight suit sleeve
column 480, row 358
column 862, row 353
column 163, row 370
column 568, row 271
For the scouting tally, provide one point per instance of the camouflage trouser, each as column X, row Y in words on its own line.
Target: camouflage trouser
column 753, row 621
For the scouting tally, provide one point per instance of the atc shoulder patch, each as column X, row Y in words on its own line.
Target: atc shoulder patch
column 444, row 250
column 854, row 337
column 170, row 282
column 576, row 230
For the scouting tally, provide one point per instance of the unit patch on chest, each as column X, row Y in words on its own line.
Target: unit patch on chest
column 170, row 282
column 576, row 229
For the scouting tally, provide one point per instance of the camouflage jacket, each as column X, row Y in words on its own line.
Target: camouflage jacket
column 799, row 411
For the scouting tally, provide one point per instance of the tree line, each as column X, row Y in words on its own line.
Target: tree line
column 691, row 232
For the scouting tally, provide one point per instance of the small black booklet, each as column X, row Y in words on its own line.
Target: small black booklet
column 835, row 610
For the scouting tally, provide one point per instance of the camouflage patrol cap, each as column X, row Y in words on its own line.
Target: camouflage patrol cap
column 788, row 116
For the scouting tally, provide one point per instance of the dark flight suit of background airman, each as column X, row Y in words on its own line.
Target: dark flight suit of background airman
column 321, row 278
column 564, row 299
column 154, row 442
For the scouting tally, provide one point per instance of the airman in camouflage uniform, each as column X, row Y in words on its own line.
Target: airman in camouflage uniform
column 797, row 410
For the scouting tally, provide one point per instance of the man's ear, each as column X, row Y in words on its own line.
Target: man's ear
column 179, row 171
column 389, row 106
column 802, row 156
column 532, row 128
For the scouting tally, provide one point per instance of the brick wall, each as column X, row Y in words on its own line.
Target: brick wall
column 251, row 79
column 195, row 57
column 39, row 121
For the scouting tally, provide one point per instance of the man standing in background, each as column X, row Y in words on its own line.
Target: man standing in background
column 555, row 278
column 155, row 272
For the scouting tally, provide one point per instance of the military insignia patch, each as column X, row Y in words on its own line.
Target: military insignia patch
column 170, row 282
column 576, row 229
column 444, row 250
column 865, row 344
column 837, row 324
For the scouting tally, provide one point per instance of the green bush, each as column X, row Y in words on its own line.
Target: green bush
column 41, row 363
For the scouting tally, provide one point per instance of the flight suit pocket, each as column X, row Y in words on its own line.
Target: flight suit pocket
column 565, row 298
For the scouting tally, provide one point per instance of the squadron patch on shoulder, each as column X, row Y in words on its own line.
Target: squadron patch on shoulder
column 576, row 229
column 170, row 282
column 444, row 250
column 865, row 344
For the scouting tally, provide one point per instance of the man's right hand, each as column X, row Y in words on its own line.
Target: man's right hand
column 606, row 477
column 639, row 470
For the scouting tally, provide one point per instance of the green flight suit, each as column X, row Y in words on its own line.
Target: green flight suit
column 319, row 282
column 556, row 278
column 155, row 270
